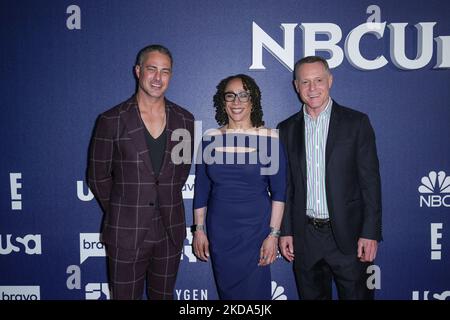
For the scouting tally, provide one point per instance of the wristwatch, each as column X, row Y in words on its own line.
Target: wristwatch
column 197, row 227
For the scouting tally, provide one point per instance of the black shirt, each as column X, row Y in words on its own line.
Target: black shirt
column 157, row 149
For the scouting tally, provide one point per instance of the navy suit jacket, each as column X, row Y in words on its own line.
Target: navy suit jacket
column 352, row 179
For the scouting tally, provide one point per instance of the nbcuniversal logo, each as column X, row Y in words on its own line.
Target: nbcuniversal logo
column 435, row 190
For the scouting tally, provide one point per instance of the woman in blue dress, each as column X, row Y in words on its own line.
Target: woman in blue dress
column 240, row 191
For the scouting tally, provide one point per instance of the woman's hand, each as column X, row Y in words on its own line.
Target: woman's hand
column 268, row 251
column 200, row 245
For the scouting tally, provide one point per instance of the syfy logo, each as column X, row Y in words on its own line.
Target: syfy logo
column 435, row 190
column 90, row 246
column 187, row 249
column 31, row 243
column 95, row 291
column 310, row 46
column 15, row 185
column 193, row 294
column 188, row 188
column 436, row 296
column 20, row 293
column 278, row 292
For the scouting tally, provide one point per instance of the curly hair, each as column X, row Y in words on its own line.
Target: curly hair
column 256, row 115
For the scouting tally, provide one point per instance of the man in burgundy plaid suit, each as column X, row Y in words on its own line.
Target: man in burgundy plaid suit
column 140, row 157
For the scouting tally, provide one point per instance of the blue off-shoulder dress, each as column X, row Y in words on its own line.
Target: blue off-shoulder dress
column 238, row 186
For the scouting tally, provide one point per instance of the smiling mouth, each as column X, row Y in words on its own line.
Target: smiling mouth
column 237, row 110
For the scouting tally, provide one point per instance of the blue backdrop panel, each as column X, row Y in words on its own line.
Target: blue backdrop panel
column 64, row 62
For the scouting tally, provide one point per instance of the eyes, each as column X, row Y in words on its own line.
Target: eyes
column 153, row 69
column 317, row 81
column 243, row 96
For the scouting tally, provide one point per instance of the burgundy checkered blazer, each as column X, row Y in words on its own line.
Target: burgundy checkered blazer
column 121, row 176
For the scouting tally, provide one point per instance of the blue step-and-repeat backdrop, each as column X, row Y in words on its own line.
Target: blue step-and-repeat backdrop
column 64, row 62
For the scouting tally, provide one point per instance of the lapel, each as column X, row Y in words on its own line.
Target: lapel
column 136, row 131
column 299, row 146
column 171, row 125
column 332, row 132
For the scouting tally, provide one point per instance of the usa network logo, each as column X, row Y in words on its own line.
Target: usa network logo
column 435, row 190
column 445, row 295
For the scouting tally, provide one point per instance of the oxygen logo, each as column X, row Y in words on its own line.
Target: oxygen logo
column 435, row 190
column 31, row 243
column 193, row 294
column 278, row 292
column 20, row 293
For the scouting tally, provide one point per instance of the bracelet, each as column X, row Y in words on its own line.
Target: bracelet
column 274, row 232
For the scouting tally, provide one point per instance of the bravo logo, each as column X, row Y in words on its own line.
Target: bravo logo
column 20, row 293
column 90, row 246
column 188, row 188
column 435, row 190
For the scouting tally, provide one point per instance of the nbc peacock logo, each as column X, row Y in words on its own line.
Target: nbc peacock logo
column 435, row 190
column 278, row 292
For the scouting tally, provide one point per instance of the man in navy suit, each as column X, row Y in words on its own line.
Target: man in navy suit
column 332, row 218
column 137, row 174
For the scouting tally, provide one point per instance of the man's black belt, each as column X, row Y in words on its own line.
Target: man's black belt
column 319, row 223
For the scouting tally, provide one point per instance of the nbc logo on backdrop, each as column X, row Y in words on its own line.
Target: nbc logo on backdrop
column 278, row 292
column 435, row 190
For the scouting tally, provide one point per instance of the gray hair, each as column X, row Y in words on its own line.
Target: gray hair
column 311, row 59
column 153, row 47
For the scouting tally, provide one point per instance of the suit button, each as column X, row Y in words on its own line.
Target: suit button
column 151, row 204
column 157, row 182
